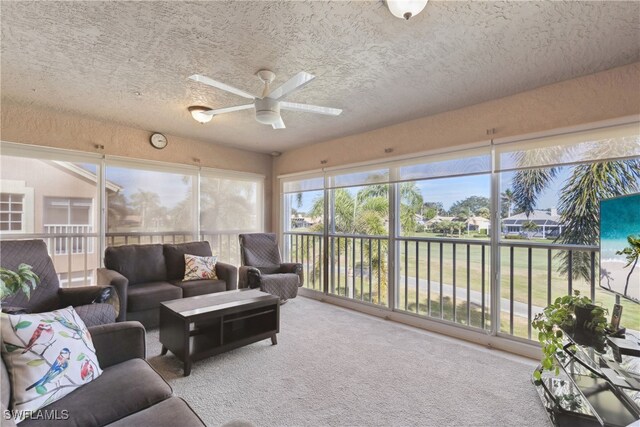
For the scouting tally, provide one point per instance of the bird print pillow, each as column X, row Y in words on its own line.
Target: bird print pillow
column 199, row 267
column 48, row 355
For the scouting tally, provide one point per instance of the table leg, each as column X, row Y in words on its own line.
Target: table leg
column 274, row 339
column 163, row 351
column 187, row 367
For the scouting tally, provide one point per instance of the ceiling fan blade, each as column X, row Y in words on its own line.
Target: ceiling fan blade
column 279, row 124
column 210, row 82
column 296, row 82
column 227, row 110
column 293, row 106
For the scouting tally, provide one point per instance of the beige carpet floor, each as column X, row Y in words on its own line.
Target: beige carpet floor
column 337, row 367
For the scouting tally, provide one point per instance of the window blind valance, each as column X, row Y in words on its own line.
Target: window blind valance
column 614, row 142
column 467, row 162
column 303, row 183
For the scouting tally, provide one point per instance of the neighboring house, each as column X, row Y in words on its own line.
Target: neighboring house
column 57, row 202
column 299, row 221
column 548, row 223
column 478, row 223
column 436, row 219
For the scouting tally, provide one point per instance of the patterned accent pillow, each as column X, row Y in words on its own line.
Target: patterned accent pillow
column 48, row 355
column 199, row 267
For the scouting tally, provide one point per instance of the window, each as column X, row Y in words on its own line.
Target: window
column 449, row 222
column 549, row 193
column 57, row 194
column 11, row 212
column 148, row 205
column 67, row 211
column 303, row 223
column 443, row 246
column 229, row 206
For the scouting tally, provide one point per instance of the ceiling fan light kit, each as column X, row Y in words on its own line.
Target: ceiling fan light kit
column 197, row 114
column 268, row 106
column 405, row 9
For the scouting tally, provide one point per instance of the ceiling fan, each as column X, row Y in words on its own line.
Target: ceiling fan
column 268, row 106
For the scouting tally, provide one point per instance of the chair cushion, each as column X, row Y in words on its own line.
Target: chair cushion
column 96, row 314
column 48, row 355
column 192, row 288
column 121, row 390
column 259, row 249
column 174, row 256
column 145, row 296
column 168, row 413
column 138, row 263
column 283, row 285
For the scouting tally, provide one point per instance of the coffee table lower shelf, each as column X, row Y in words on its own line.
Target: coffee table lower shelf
column 201, row 335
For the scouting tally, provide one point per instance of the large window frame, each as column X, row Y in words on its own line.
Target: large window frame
column 619, row 127
column 84, row 239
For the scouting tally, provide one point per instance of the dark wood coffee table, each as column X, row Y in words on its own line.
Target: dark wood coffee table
column 199, row 327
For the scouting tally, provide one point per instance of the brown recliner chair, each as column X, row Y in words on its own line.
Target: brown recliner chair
column 262, row 267
column 48, row 295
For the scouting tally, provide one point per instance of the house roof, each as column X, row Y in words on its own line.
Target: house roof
column 538, row 217
column 439, row 218
column 478, row 220
column 88, row 175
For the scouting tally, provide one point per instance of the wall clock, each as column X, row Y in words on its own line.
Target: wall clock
column 158, row 141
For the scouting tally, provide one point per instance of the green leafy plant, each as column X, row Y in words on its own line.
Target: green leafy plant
column 560, row 317
column 12, row 282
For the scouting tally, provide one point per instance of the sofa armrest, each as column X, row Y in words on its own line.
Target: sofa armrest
column 293, row 267
column 248, row 277
column 118, row 342
column 108, row 277
column 85, row 295
column 228, row 273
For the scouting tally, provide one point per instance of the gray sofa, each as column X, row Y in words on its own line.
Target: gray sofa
column 146, row 275
column 48, row 295
column 128, row 393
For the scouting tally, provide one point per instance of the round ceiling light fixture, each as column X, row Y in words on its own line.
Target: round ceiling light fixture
column 405, row 9
column 267, row 111
column 197, row 112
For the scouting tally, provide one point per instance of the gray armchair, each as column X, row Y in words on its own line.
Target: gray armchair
column 49, row 295
column 262, row 267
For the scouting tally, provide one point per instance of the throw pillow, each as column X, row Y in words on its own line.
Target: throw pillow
column 199, row 267
column 48, row 355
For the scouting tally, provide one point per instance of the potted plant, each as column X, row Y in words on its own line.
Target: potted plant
column 11, row 282
column 575, row 315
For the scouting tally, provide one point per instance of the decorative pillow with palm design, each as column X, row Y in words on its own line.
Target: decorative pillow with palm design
column 199, row 267
column 48, row 355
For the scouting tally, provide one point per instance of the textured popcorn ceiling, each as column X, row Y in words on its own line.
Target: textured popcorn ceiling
column 93, row 57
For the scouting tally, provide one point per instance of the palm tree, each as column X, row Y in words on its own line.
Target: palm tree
column 367, row 213
column 632, row 253
column 530, row 228
column 117, row 210
column 508, row 198
column 146, row 203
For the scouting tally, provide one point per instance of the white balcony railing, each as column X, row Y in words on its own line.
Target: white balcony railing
column 69, row 238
